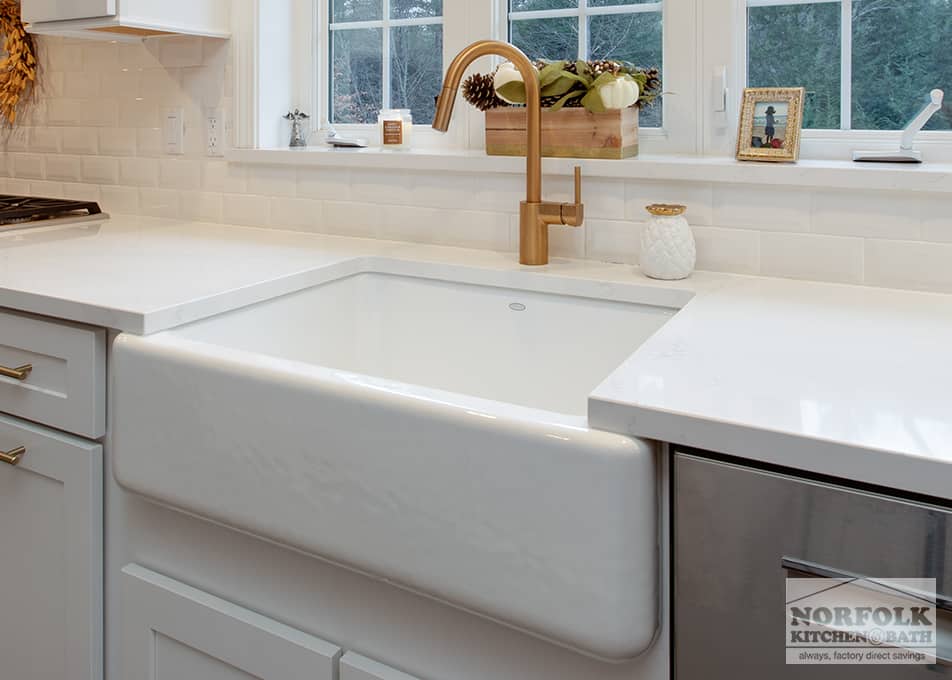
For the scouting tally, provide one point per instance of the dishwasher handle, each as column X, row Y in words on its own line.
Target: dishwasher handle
column 815, row 570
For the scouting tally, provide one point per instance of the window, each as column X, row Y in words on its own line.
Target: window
column 627, row 30
column 384, row 54
column 866, row 64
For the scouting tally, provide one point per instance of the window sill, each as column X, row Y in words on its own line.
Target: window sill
column 836, row 174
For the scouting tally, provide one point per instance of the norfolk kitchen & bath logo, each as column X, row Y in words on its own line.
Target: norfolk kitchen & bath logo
column 860, row 621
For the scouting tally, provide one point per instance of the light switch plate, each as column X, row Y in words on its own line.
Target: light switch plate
column 174, row 131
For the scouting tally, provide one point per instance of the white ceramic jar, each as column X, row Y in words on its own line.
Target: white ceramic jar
column 668, row 250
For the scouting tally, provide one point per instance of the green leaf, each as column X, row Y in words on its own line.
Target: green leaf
column 566, row 99
column 560, row 86
column 513, row 91
column 550, row 73
column 593, row 101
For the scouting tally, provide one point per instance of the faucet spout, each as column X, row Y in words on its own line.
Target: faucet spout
column 454, row 76
column 535, row 214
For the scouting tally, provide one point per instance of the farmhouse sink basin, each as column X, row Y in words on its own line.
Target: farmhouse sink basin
column 423, row 424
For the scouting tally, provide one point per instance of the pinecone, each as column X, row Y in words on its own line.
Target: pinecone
column 604, row 66
column 479, row 91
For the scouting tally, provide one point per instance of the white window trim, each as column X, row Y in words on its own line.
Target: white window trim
column 702, row 38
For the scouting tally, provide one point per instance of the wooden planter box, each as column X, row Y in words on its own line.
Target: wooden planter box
column 567, row 133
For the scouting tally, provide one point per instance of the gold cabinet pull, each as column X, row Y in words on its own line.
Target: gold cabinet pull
column 13, row 457
column 19, row 373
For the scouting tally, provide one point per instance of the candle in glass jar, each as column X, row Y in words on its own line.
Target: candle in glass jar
column 396, row 128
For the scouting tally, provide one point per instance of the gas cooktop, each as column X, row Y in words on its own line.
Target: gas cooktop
column 17, row 212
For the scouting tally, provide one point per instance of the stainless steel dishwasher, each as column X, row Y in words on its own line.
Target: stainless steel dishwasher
column 738, row 532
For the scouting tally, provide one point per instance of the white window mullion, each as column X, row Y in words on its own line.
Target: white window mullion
column 846, row 65
column 386, row 55
column 583, row 29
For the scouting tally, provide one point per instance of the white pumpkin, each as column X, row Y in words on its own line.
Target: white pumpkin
column 505, row 74
column 620, row 93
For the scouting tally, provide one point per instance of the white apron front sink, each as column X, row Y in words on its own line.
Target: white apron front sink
column 420, row 429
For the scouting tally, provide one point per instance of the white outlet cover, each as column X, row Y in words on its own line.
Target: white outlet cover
column 214, row 131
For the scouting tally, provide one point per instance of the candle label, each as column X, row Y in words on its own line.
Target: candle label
column 392, row 132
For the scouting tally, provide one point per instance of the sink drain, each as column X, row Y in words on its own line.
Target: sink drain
column 517, row 307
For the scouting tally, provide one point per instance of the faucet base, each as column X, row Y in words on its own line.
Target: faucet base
column 533, row 234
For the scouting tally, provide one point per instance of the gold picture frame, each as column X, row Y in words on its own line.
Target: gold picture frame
column 771, row 119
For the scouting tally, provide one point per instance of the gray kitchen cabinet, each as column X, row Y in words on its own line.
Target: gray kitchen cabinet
column 51, row 554
column 738, row 532
column 172, row 631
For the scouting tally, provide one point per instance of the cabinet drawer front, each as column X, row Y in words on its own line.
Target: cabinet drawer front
column 735, row 530
column 172, row 631
column 66, row 386
column 51, row 554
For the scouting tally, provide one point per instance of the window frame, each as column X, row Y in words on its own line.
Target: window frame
column 836, row 143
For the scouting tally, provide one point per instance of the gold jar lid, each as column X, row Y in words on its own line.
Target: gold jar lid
column 666, row 209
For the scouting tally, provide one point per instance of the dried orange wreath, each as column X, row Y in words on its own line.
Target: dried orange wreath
column 18, row 66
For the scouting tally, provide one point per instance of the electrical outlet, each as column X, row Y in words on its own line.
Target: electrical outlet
column 175, row 131
column 214, row 132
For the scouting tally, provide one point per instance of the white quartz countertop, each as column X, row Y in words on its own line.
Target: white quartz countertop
column 838, row 380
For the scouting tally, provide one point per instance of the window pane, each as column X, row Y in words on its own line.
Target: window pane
column 615, row 3
column 798, row 45
column 356, row 88
column 547, row 38
column 633, row 37
column 538, row 5
column 900, row 53
column 356, row 10
column 416, row 69
column 415, row 9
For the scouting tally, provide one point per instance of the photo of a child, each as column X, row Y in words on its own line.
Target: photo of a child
column 770, row 125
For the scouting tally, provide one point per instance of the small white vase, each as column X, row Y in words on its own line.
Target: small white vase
column 668, row 251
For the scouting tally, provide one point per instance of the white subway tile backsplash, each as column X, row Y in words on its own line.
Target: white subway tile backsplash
column 323, row 183
column 138, row 172
column 177, row 173
column 937, row 219
column 18, row 140
column 64, row 112
column 353, row 219
column 45, row 140
column 78, row 191
column 46, row 189
column 300, row 214
column 100, row 57
column 99, row 113
column 381, row 186
column 728, row 250
column 116, row 141
column 813, row 257
column 81, row 85
column 273, row 181
column 17, row 186
column 28, row 165
column 61, row 56
column 909, row 264
column 64, row 168
column 160, row 202
column 179, row 52
column 139, row 112
column 224, row 177
column 864, row 213
column 613, row 241
column 251, row 211
column 79, row 140
column 149, row 142
column 604, row 198
column 761, row 207
column 120, row 199
column 698, row 197
column 202, row 206
column 100, row 170
column 120, row 84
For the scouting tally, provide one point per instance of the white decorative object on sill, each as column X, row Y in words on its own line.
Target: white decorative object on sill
column 668, row 250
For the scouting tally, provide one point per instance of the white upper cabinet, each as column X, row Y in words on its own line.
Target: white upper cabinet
column 62, row 10
column 129, row 19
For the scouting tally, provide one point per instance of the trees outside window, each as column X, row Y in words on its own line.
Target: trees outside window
column 384, row 54
column 866, row 64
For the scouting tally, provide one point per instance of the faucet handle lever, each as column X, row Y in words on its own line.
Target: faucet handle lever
column 578, row 184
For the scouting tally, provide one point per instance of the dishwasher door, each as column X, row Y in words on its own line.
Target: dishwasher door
column 735, row 531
